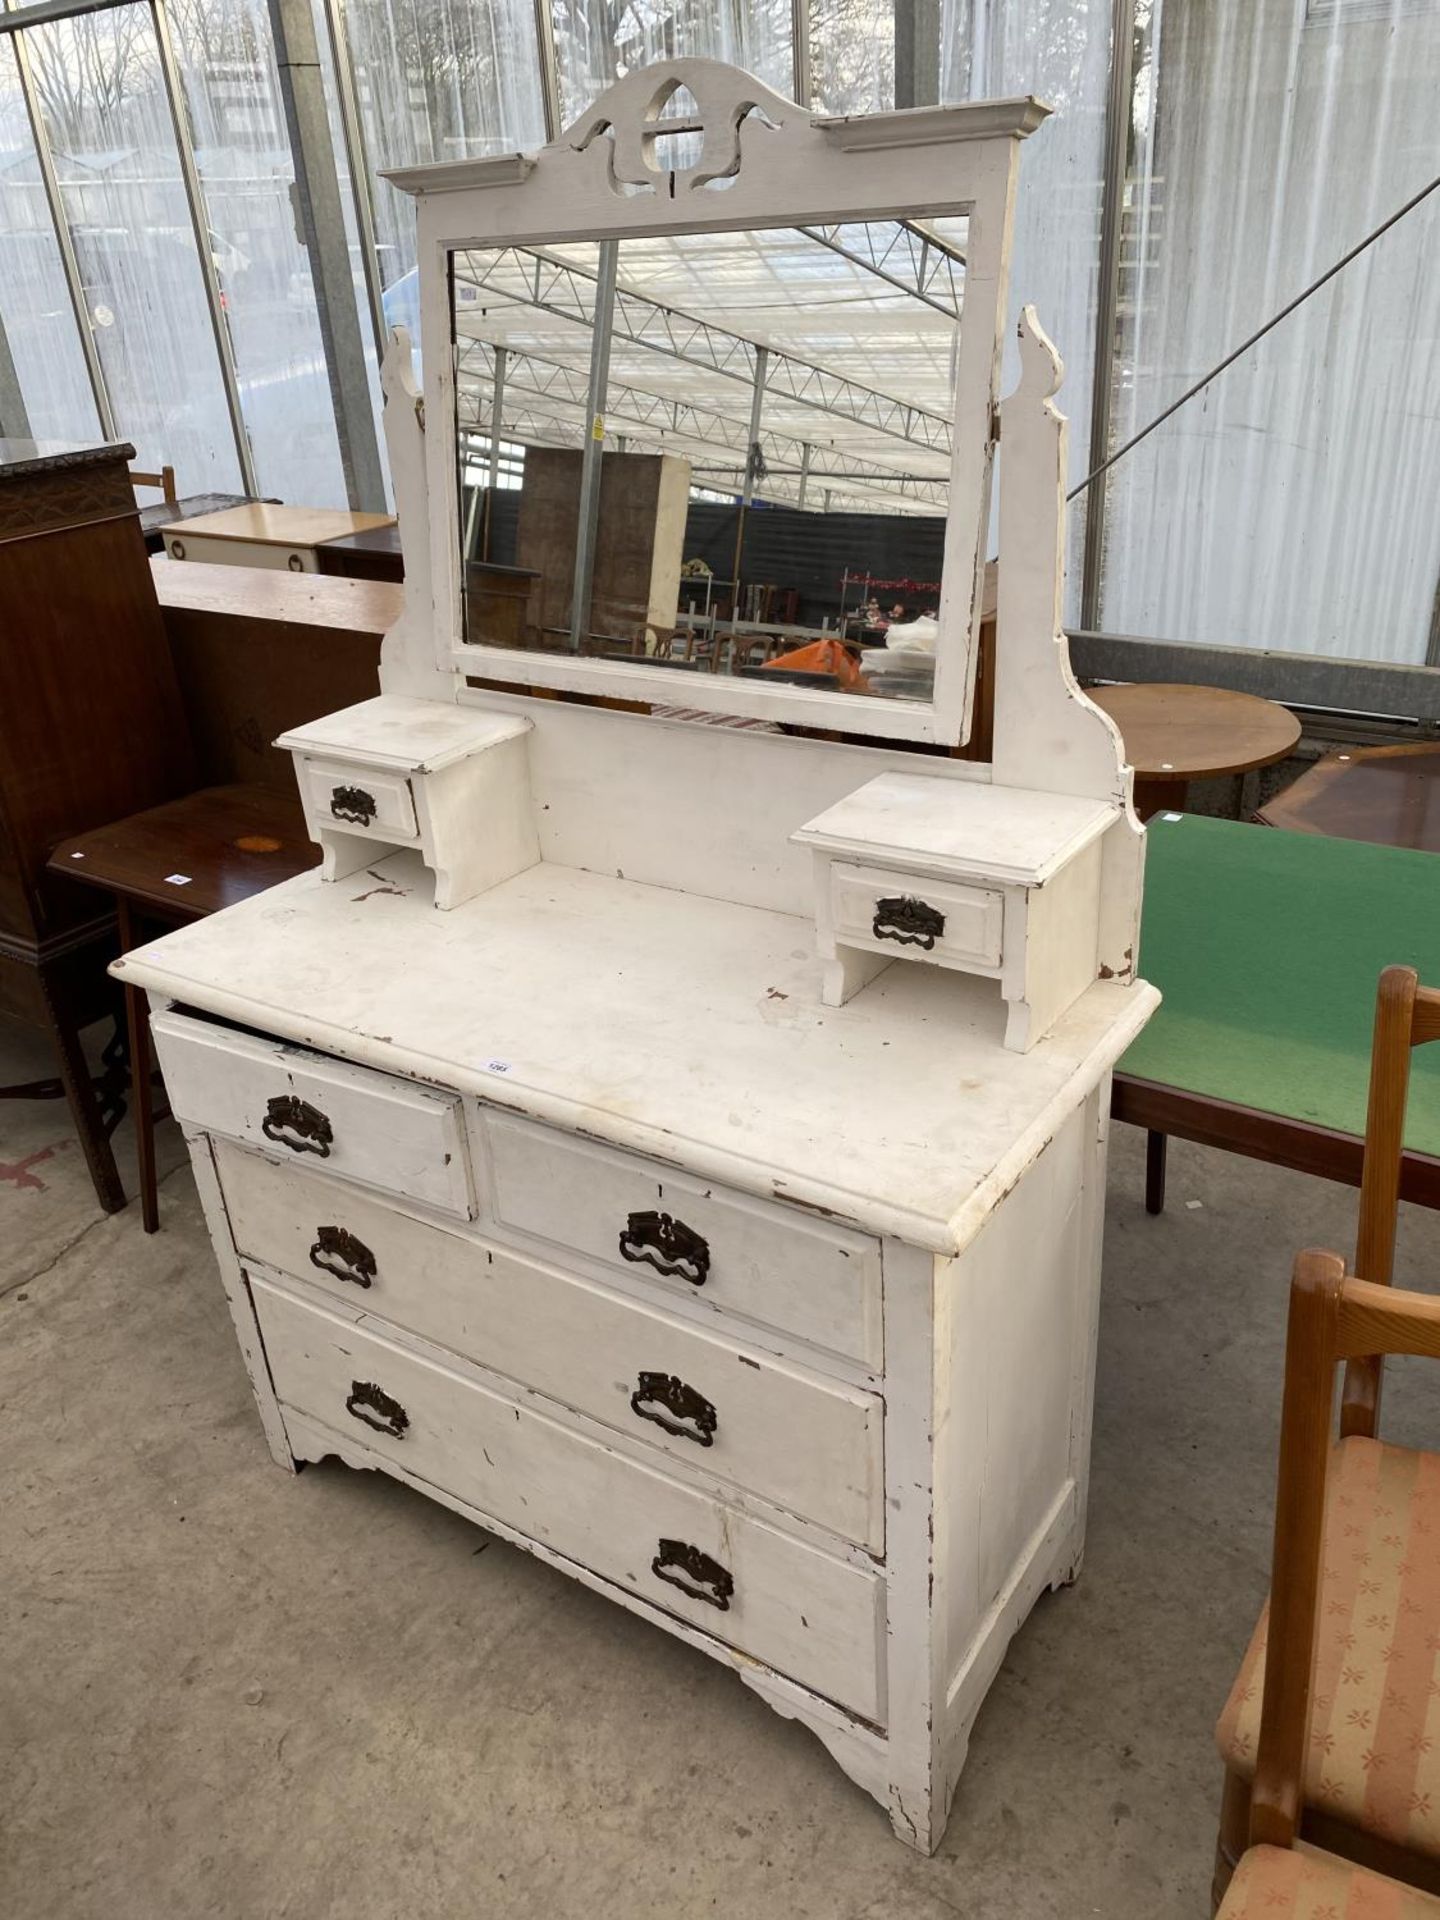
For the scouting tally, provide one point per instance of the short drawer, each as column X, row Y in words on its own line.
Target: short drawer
column 360, row 799
column 306, row 1108
column 801, row 1276
column 803, row 1443
column 906, row 914
column 800, row 1611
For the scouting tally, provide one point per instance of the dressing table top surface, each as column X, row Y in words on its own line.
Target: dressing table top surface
column 663, row 1023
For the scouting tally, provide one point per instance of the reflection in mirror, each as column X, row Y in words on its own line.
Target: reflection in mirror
column 717, row 453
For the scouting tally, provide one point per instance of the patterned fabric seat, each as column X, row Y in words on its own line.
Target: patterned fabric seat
column 1292, row 1883
column 1374, row 1749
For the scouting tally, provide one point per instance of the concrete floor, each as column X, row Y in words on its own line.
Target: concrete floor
column 229, row 1692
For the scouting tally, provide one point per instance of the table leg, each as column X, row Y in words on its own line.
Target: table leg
column 81, row 1096
column 137, row 1019
column 1155, row 794
column 1155, row 1145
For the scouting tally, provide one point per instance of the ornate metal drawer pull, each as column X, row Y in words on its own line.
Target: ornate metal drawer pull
column 656, row 1240
column 909, row 921
column 694, row 1573
column 292, row 1122
column 679, row 1409
column 339, row 1252
column 353, row 803
column 373, row 1407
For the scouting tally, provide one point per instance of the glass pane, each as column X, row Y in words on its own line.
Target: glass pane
column 597, row 44
column 103, row 102
column 852, row 56
column 1292, row 505
column 35, row 304
column 810, row 554
column 226, row 59
column 1058, row 50
column 438, row 80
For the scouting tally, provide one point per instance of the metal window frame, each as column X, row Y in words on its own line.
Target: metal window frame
column 320, row 207
column 1102, row 383
column 200, row 228
column 60, row 227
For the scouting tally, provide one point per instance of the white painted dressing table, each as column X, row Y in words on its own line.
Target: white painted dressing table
column 682, row 1149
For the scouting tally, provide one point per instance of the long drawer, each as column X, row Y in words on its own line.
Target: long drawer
column 810, row 1278
column 307, row 1109
column 809, row 1616
column 809, row 1445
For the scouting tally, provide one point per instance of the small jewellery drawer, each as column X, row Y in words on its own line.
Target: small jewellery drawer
column 306, row 1108
column 361, row 799
column 800, row 1611
column 739, row 1255
column 803, row 1443
column 908, row 915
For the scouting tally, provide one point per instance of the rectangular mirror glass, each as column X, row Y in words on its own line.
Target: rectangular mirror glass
column 719, row 453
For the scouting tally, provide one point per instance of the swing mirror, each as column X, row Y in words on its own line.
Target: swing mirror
column 718, row 382
column 745, row 474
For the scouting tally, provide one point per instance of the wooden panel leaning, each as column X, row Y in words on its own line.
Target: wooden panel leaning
column 1329, row 1741
column 1331, row 1319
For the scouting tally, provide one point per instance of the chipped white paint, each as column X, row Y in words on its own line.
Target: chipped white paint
column 598, row 1120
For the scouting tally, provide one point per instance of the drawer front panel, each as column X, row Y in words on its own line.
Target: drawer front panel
column 803, row 1443
column 241, row 553
column 740, row 1256
column 910, row 916
column 307, row 1108
column 360, row 799
column 803, row 1613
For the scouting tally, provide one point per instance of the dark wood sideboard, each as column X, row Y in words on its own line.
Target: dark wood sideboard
column 91, row 727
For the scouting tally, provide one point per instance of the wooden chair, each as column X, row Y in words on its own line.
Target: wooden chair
column 1333, row 1318
column 1363, row 1622
column 164, row 481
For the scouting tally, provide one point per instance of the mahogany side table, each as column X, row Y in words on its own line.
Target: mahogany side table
column 1389, row 796
column 175, row 863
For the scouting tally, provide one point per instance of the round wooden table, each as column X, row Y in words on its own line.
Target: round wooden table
column 1176, row 734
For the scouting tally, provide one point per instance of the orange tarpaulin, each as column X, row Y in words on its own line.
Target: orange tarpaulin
column 825, row 656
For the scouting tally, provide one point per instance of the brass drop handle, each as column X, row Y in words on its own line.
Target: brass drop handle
column 292, row 1122
column 908, row 921
column 696, row 1575
column 656, row 1240
column 353, row 804
column 340, row 1253
column 679, row 1409
column 373, row 1407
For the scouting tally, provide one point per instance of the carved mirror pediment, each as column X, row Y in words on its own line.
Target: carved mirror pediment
column 710, row 391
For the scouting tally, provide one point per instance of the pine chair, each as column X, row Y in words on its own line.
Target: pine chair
column 1371, row 1776
column 1333, row 1527
column 163, row 482
column 1343, row 1795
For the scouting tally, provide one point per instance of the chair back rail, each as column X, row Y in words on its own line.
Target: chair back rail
column 1407, row 1015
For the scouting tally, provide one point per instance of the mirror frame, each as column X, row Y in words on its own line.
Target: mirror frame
column 780, row 166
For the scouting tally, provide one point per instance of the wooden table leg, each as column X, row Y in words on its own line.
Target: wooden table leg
column 137, row 1020
column 80, row 1095
column 1156, row 794
column 1155, row 1146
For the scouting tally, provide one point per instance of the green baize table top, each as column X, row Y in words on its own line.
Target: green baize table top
column 1267, row 947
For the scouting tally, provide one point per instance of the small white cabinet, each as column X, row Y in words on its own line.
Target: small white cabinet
column 990, row 880
column 708, row 1199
